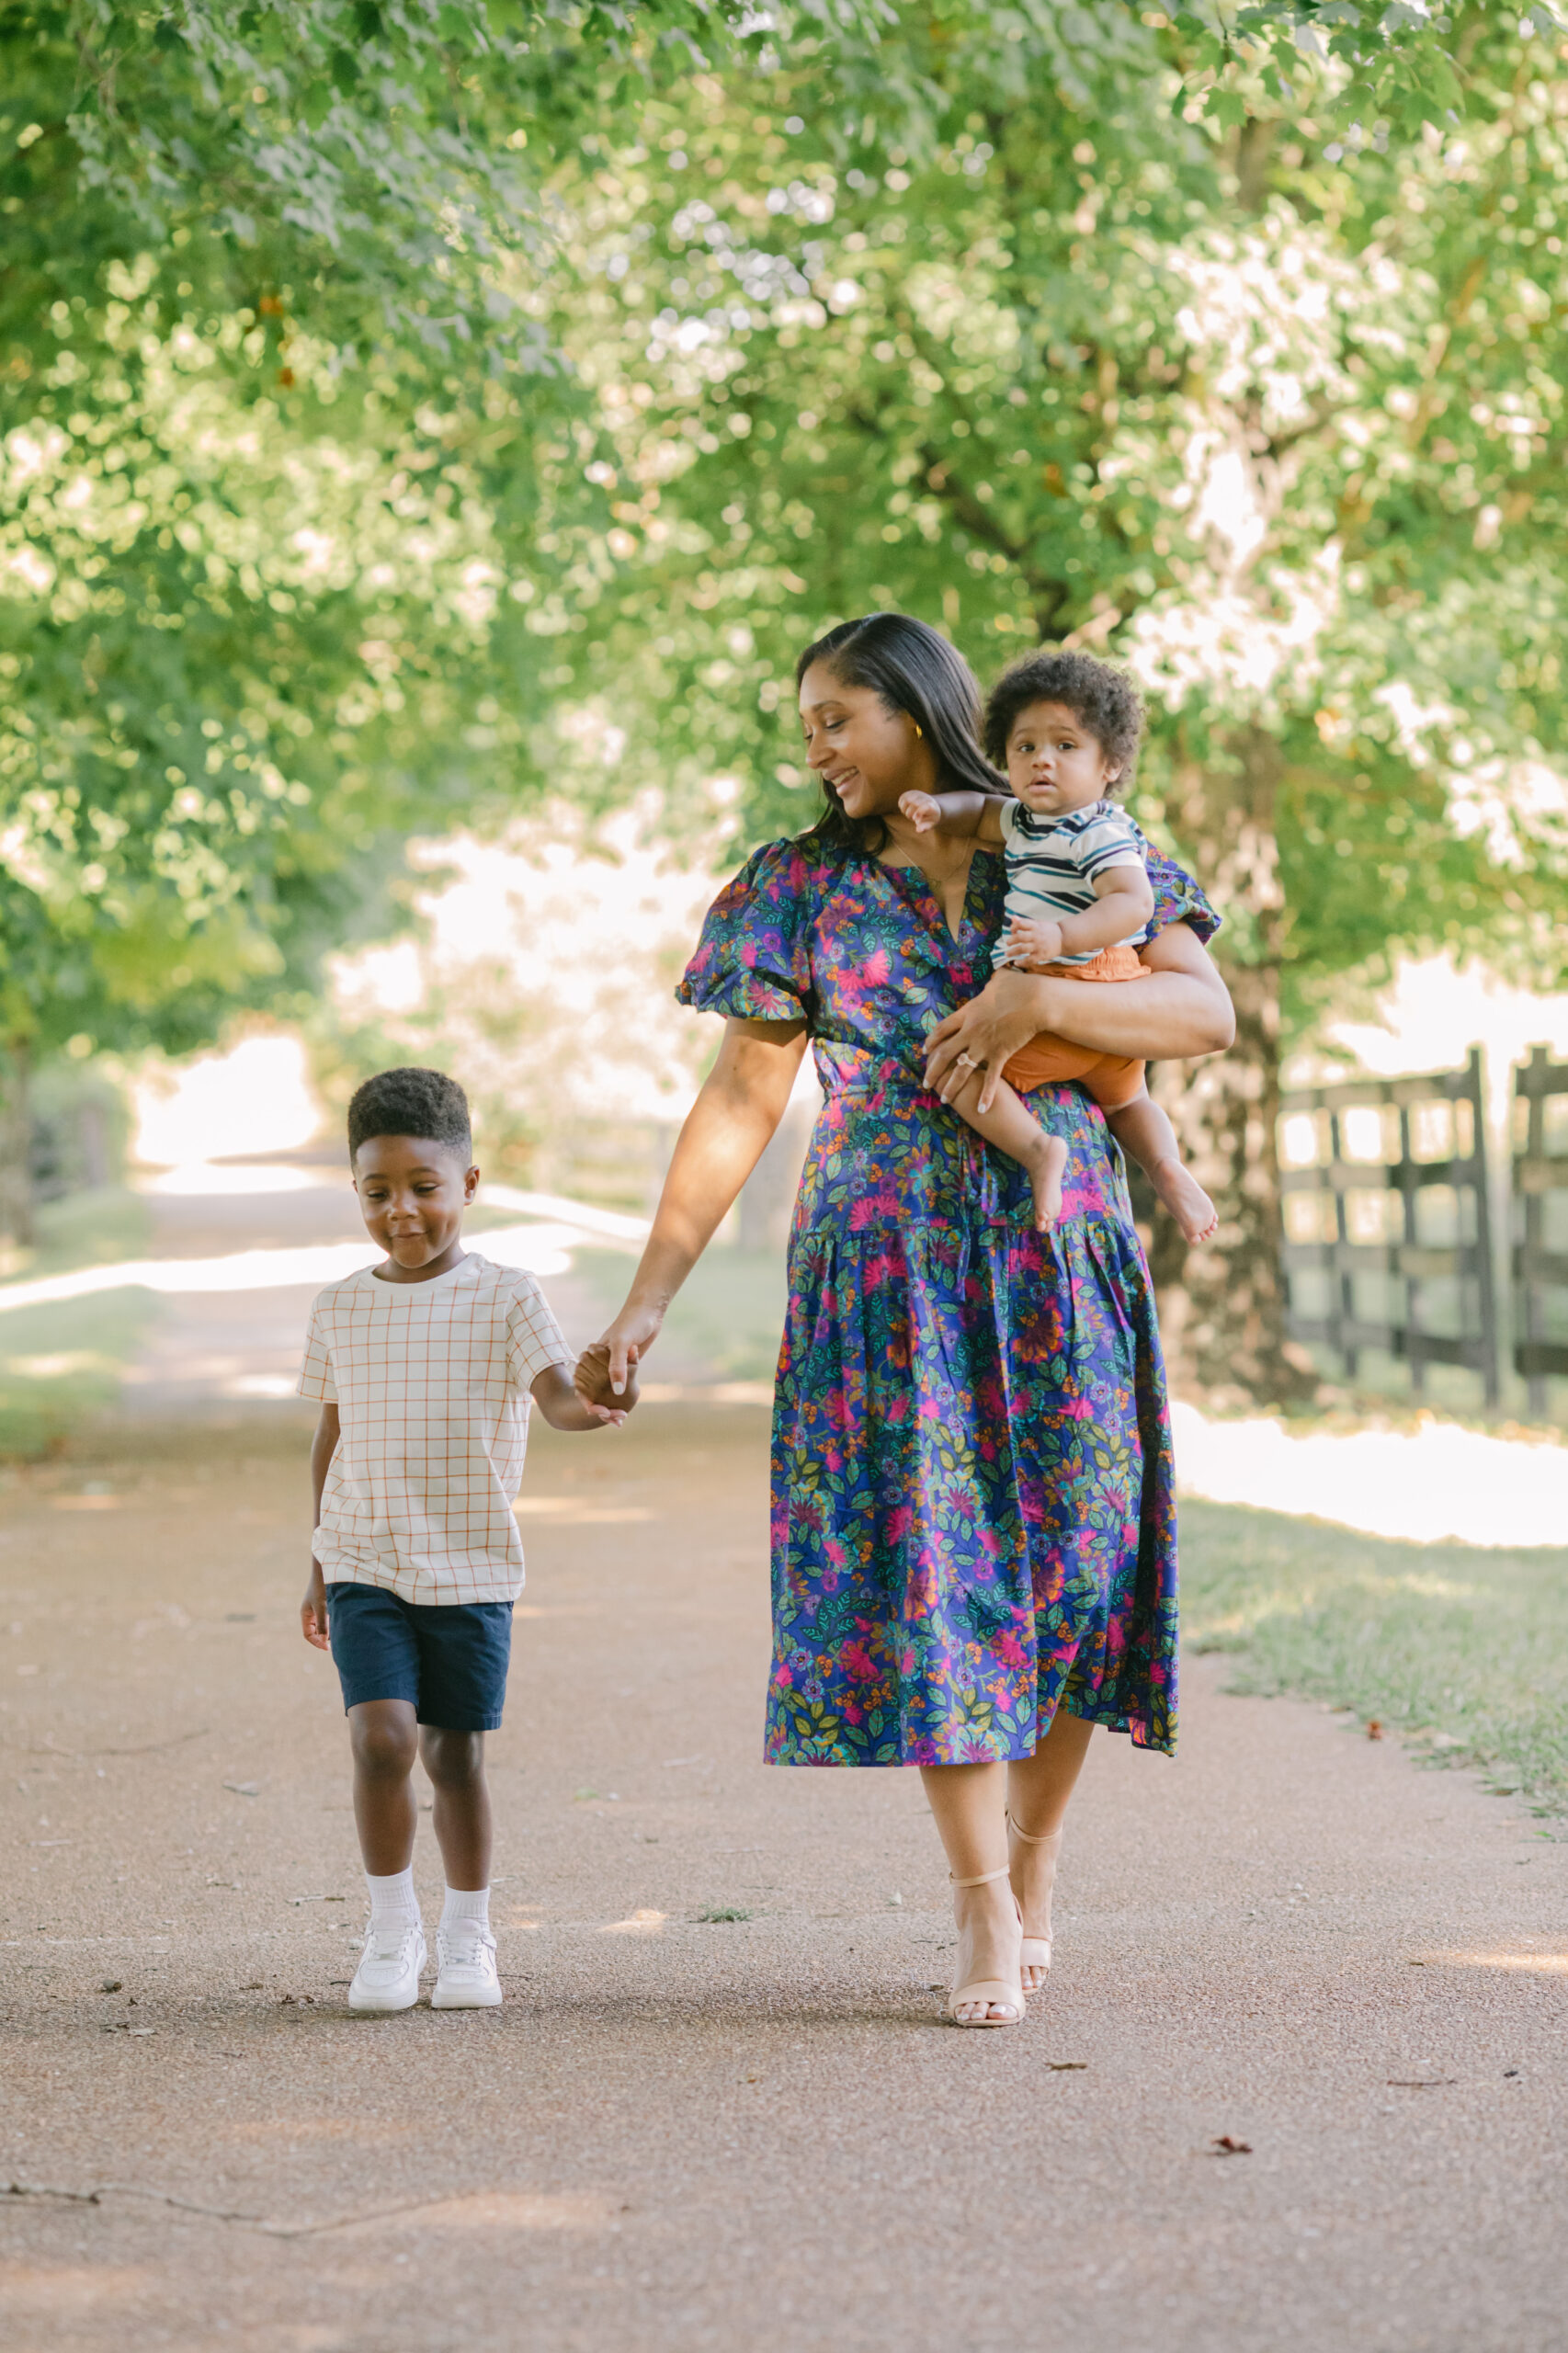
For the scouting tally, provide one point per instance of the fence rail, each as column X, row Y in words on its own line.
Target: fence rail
column 1388, row 1224
column 1540, row 1244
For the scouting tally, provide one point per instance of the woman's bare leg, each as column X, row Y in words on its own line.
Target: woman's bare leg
column 1038, row 1789
column 967, row 1802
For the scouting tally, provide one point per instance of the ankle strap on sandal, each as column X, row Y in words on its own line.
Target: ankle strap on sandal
column 1033, row 1838
column 981, row 1879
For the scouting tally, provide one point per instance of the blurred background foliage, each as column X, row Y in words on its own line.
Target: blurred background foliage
column 393, row 396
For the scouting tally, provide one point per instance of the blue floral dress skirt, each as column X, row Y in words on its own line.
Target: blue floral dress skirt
column 973, row 1516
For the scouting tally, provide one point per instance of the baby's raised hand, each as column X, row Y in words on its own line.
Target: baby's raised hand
column 922, row 810
column 1034, row 940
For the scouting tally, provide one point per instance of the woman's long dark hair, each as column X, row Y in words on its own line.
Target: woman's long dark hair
column 914, row 669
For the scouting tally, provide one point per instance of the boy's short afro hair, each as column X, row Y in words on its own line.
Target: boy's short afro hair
column 1101, row 697
column 424, row 1103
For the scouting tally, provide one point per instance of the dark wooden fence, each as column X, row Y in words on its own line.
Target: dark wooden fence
column 1388, row 1227
column 1541, row 1218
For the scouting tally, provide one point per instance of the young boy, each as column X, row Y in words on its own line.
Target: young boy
column 1078, row 906
column 424, row 1366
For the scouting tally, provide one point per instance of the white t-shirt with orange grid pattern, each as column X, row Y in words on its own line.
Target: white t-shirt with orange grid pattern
column 431, row 1382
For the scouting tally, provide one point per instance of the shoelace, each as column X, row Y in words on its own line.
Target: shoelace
column 390, row 1943
column 464, row 1946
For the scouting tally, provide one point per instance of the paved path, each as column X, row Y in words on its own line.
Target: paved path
column 681, row 2133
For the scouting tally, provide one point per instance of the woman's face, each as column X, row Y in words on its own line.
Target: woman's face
column 866, row 753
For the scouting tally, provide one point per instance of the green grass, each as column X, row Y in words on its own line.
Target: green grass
column 1461, row 1652
column 726, row 1319
column 60, row 1364
column 88, row 1229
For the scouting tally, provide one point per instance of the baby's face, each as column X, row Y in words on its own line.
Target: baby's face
column 1054, row 763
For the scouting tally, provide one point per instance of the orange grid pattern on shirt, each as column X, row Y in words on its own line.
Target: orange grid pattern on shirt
column 431, row 1382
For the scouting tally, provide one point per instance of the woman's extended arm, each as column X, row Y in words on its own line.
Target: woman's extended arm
column 726, row 1133
column 1181, row 1010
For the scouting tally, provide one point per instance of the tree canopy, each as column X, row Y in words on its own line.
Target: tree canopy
column 380, row 384
column 1282, row 428
column 301, row 427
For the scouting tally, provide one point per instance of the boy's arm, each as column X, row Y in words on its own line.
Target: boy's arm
column 312, row 1610
column 967, row 816
column 567, row 1404
column 1124, row 904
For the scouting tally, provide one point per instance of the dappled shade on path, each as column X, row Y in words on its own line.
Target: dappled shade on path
column 720, row 2075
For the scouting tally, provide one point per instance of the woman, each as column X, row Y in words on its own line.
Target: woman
column 973, row 1541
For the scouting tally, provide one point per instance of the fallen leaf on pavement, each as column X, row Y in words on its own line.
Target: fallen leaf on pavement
column 1374, row 1729
column 1224, row 2146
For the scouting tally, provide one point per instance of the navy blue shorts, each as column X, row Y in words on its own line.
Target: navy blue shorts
column 449, row 1658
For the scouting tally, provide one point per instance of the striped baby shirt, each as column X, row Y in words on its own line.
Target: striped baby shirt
column 431, row 1382
column 1052, row 863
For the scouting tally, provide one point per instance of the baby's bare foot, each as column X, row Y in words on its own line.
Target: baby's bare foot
column 1186, row 1199
column 1045, row 1171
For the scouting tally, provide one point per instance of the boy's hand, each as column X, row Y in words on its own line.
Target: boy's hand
column 591, row 1380
column 922, row 810
column 1034, row 940
column 312, row 1610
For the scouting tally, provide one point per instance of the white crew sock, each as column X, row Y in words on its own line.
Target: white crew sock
column 392, row 1900
column 466, row 1907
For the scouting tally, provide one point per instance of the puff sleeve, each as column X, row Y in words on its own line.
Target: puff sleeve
column 753, row 962
column 1178, row 899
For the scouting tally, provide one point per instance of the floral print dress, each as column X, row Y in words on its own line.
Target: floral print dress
column 972, row 1519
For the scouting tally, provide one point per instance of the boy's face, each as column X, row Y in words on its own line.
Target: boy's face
column 413, row 1194
column 1054, row 763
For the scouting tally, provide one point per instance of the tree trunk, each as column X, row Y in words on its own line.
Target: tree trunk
column 15, row 1146
column 1222, row 1304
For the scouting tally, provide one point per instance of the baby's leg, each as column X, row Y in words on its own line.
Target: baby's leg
column 1007, row 1125
column 1142, row 1129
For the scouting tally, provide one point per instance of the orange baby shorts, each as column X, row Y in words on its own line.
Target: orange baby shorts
column 1111, row 1079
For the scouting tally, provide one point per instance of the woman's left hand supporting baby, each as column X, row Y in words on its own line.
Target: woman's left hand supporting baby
column 987, row 1031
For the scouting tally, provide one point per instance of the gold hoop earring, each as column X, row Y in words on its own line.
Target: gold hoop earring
column 920, row 731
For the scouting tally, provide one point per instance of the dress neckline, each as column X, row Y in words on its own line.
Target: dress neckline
column 919, row 888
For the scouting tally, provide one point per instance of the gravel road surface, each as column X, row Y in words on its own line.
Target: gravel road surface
column 1299, row 2080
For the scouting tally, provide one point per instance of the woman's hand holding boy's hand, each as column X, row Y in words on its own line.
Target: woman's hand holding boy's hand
column 594, row 1382
column 922, row 810
column 628, row 1339
column 1033, row 941
column 312, row 1610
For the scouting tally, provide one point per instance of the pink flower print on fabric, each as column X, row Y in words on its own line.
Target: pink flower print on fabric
column 972, row 1512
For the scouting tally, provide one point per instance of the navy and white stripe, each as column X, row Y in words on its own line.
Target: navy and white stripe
column 1052, row 863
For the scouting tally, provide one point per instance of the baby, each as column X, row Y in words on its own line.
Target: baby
column 1078, row 907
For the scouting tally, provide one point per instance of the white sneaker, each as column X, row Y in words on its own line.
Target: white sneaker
column 388, row 1974
column 465, row 1960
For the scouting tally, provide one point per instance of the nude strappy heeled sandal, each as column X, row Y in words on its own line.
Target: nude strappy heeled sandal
column 994, row 1992
column 1035, row 1951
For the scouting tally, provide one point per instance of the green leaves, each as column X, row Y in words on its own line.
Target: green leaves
column 1287, row 437
column 1394, row 67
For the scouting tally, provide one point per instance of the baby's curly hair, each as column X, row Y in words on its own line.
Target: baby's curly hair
column 1101, row 697
column 412, row 1102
